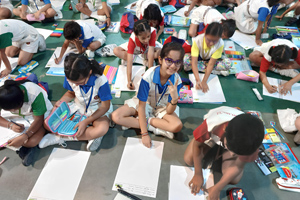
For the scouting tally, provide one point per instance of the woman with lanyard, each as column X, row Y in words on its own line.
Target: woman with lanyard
column 36, row 10
column 91, row 93
column 155, row 106
column 251, row 15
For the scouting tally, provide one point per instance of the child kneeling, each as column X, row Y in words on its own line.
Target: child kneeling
column 239, row 135
column 156, row 102
column 91, row 93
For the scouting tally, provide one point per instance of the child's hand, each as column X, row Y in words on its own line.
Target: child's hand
column 196, row 184
column 198, row 85
column 58, row 60
column 258, row 42
column 108, row 22
column 279, row 17
column 173, row 90
column 285, row 88
column 37, row 15
column 57, row 104
column 81, row 128
column 79, row 6
column 5, row 73
column 18, row 141
column 130, row 85
column 146, row 140
column 23, row 16
column 204, row 87
column 272, row 89
column 213, row 193
column 18, row 129
column 186, row 13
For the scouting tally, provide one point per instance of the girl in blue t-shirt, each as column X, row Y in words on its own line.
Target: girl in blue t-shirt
column 155, row 106
column 251, row 15
column 91, row 94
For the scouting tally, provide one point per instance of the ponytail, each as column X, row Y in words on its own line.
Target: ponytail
column 282, row 53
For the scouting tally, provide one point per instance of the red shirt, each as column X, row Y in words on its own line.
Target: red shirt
column 134, row 44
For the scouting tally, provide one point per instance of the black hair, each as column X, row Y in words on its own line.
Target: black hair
column 272, row 3
column 244, row 134
column 78, row 66
column 153, row 12
column 141, row 26
column 282, row 53
column 229, row 27
column 11, row 95
column 172, row 46
column 72, row 30
column 214, row 29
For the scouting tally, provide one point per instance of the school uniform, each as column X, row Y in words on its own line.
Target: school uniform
column 206, row 15
column 250, row 12
column 34, row 5
column 36, row 101
column 19, row 34
column 214, row 118
column 95, row 5
column 6, row 4
column 265, row 47
column 203, row 52
column 141, row 6
column 90, row 33
column 134, row 46
column 88, row 97
column 154, row 94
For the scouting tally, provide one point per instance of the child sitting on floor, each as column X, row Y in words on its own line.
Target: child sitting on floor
column 18, row 38
column 156, row 102
column 150, row 10
column 26, row 99
column 36, row 10
column 238, row 137
column 294, row 19
column 89, row 88
column 87, row 7
column 205, row 15
column 281, row 56
column 85, row 36
column 6, row 9
column 141, row 41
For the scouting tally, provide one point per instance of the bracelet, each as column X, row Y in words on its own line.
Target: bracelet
column 107, row 17
column 26, row 135
column 144, row 134
column 174, row 103
column 30, row 132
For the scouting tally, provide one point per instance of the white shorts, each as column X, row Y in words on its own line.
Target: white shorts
column 31, row 47
column 150, row 112
column 243, row 21
column 99, row 36
column 137, row 49
column 197, row 15
column 97, row 6
column 9, row 6
column 74, row 107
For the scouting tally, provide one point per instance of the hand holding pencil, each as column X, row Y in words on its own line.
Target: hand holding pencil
column 16, row 127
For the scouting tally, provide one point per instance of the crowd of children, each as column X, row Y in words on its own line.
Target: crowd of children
column 154, row 108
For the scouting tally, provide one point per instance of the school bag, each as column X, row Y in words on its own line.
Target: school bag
column 127, row 22
column 178, row 3
column 33, row 78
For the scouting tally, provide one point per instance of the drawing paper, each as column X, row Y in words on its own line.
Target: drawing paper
column 244, row 40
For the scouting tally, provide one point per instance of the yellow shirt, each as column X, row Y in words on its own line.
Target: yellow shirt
column 195, row 51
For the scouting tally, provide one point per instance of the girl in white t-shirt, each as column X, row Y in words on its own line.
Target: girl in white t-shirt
column 6, row 9
column 89, row 89
column 141, row 41
column 156, row 102
column 281, row 56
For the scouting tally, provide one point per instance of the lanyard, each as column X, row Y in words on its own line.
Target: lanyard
column 86, row 105
column 271, row 15
column 164, row 91
column 36, row 5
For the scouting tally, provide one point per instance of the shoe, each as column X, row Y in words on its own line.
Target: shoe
column 51, row 139
column 29, row 157
column 102, row 18
column 167, row 134
column 90, row 53
column 285, row 72
column 291, row 21
column 83, row 16
column 107, row 50
column 23, row 151
column 94, row 144
column 297, row 138
column 124, row 128
column 42, row 43
column 73, row 4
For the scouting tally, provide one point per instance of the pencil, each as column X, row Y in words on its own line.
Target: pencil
column 15, row 123
column 127, row 194
column 55, row 57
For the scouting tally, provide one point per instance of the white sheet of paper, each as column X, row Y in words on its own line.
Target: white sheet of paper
column 51, row 62
column 139, row 167
column 61, row 175
column 244, row 40
column 114, row 2
column 295, row 90
column 121, row 197
column 13, row 63
column 180, row 176
column 121, row 79
column 181, row 11
column 44, row 32
column 215, row 93
column 229, row 45
column 90, row 21
column 7, row 134
column 58, row 3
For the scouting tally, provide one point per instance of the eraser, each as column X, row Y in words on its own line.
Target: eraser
column 118, row 94
column 257, row 94
column 264, row 36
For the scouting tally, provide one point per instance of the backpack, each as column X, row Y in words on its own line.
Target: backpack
column 33, row 78
column 127, row 22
